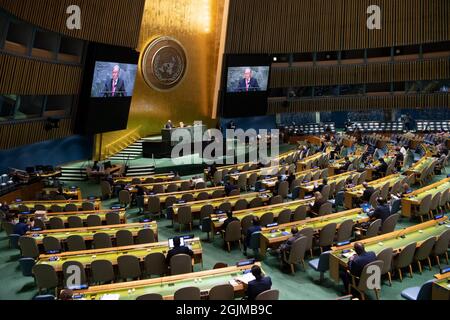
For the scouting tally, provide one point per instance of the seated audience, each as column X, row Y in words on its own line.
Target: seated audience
column 382, row 168
column 357, row 263
column 318, row 202
column 228, row 220
column 285, row 247
column 382, row 211
column 229, row 187
column 368, row 191
column 255, row 227
column 22, row 227
column 259, row 285
column 178, row 249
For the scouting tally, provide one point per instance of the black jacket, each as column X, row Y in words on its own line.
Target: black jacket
column 256, row 287
column 317, row 204
column 228, row 221
column 178, row 250
column 367, row 194
column 357, row 265
column 381, row 212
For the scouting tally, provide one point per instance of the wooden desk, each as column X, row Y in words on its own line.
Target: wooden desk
column 86, row 257
column 197, row 205
column 417, row 233
column 48, row 203
column 441, row 288
column 167, row 286
column 338, row 164
column 273, row 237
column 308, row 161
column 165, row 184
column 25, row 192
column 306, row 188
column 413, row 200
column 419, row 166
column 88, row 232
column 218, row 219
column 64, row 216
column 358, row 191
column 165, row 176
column 73, row 193
column 269, row 171
column 178, row 194
column 375, row 165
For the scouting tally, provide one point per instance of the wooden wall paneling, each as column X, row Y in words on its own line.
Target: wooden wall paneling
column 115, row 22
column 22, row 75
column 28, row 132
column 357, row 74
column 332, row 25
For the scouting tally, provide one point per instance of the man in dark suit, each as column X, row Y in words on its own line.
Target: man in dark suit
column 357, row 263
column 248, row 83
column 320, row 187
column 259, row 285
column 229, row 187
column 382, row 211
column 22, row 227
column 255, row 227
column 368, row 191
column 228, row 220
column 285, row 247
column 382, row 168
column 345, row 166
column 178, row 249
column 318, row 202
column 115, row 87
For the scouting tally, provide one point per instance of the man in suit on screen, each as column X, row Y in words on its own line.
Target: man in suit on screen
column 115, row 87
column 248, row 83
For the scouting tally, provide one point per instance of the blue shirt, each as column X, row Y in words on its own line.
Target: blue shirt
column 250, row 231
column 20, row 228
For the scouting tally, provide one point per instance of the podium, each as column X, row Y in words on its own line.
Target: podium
column 167, row 133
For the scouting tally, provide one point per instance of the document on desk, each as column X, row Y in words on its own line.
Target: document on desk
column 110, row 297
column 246, row 278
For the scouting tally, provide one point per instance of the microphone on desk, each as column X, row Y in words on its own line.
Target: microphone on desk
column 401, row 233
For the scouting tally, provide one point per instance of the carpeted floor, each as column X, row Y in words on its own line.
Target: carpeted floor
column 301, row 286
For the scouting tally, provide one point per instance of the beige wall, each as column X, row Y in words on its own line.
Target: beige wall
column 196, row 25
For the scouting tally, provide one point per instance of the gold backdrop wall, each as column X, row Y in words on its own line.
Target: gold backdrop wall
column 196, row 24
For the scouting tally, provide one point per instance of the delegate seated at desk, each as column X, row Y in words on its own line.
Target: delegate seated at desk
column 318, row 202
column 356, row 264
column 228, row 220
column 178, row 249
column 382, row 211
column 259, row 285
column 368, row 191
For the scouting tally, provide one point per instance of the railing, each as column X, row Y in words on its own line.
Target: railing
column 121, row 143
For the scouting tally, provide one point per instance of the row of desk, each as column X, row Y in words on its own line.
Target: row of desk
column 167, row 286
column 83, row 215
column 86, row 257
column 87, row 233
column 396, row 240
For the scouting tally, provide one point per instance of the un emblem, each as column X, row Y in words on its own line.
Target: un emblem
column 164, row 63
